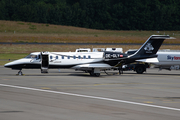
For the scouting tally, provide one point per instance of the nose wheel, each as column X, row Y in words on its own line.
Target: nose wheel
column 20, row 73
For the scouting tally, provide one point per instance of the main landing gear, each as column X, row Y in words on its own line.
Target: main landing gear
column 95, row 72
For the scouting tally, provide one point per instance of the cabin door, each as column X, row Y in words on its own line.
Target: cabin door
column 44, row 62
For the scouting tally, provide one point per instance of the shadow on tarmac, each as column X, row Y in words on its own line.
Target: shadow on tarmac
column 160, row 74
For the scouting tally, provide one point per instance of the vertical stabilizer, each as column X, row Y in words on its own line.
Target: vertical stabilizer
column 150, row 47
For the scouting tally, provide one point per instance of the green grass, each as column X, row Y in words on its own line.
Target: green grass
column 2, row 63
column 7, row 56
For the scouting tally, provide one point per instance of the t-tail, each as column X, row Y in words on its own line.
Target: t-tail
column 149, row 48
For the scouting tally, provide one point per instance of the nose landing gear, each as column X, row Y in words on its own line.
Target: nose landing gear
column 20, row 73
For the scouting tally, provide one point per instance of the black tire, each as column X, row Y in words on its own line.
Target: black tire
column 94, row 74
column 140, row 69
column 20, row 73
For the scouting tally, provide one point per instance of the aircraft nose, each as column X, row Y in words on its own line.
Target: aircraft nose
column 17, row 64
column 11, row 64
column 7, row 65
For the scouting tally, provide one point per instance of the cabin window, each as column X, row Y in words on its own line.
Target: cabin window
column 74, row 57
column 68, row 57
column 79, row 57
column 84, row 57
column 56, row 57
column 50, row 57
column 62, row 57
column 89, row 57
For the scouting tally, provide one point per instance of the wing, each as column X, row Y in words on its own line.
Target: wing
column 101, row 66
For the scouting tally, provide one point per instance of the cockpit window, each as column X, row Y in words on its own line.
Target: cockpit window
column 29, row 56
column 32, row 56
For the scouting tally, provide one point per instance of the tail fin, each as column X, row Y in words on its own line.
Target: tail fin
column 150, row 47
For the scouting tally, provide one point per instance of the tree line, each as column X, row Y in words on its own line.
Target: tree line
column 96, row 14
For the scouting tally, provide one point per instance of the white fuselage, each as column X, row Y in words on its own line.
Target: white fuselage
column 74, row 60
column 77, row 60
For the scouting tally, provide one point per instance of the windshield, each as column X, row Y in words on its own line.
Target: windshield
column 32, row 56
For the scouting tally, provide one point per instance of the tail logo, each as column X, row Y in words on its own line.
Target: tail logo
column 148, row 48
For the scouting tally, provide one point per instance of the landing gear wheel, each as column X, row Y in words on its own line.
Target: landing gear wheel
column 94, row 74
column 20, row 73
column 139, row 70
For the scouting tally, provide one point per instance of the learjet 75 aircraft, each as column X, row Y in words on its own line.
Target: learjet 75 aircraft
column 91, row 62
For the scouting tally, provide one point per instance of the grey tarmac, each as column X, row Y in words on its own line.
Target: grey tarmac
column 74, row 95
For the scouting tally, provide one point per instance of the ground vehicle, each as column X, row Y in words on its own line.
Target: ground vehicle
column 166, row 59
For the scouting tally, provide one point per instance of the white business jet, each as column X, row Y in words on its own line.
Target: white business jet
column 92, row 62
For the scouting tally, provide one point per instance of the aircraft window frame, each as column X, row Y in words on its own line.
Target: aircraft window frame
column 62, row 56
column 51, row 57
column 29, row 56
column 82, row 51
column 32, row 56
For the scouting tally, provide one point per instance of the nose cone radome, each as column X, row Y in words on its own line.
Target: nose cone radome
column 8, row 65
column 14, row 64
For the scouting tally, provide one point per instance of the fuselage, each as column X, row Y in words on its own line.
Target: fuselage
column 57, row 60
column 75, row 60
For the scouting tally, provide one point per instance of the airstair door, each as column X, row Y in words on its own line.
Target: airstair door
column 44, row 62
